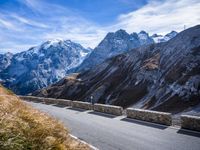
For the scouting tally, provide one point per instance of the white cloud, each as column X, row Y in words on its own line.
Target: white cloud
column 47, row 24
column 161, row 17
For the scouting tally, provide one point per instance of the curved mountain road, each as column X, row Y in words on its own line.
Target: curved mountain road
column 107, row 132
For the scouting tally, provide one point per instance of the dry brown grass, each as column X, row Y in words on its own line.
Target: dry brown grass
column 25, row 128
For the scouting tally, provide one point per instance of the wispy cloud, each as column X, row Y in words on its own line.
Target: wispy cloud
column 54, row 21
column 162, row 16
column 28, row 21
column 19, row 30
column 6, row 24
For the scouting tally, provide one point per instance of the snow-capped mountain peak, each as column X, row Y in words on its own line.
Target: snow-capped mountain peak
column 143, row 35
column 54, row 42
column 160, row 38
column 170, row 35
column 41, row 65
column 144, row 38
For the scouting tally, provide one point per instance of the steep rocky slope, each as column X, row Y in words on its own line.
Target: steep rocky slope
column 41, row 65
column 164, row 76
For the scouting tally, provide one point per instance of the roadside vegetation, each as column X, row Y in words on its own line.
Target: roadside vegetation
column 25, row 128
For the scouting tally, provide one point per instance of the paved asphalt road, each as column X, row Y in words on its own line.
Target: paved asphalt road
column 118, row 133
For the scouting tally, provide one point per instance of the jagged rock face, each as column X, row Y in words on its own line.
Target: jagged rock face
column 112, row 45
column 164, row 77
column 42, row 65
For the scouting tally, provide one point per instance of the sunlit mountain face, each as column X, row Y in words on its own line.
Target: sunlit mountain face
column 40, row 66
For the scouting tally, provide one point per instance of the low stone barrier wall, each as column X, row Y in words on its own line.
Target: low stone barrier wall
column 82, row 105
column 64, row 102
column 150, row 116
column 23, row 98
column 110, row 109
column 49, row 100
column 140, row 114
column 190, row 122
column 32, row 98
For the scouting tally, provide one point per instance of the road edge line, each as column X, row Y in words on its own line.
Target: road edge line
column 91, row 146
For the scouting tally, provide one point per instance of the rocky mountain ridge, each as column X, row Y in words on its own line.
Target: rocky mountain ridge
column 163, row 76
column 118, row 42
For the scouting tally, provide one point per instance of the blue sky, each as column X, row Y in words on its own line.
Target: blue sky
column 25, row 23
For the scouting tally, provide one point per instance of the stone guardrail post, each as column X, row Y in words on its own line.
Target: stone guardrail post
column 82, row 105
column 64, row 102
column 110, row 109
column 150, row 116
column 190, row 122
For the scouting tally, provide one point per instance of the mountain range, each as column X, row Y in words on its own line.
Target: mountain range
column 163, row 76
column 40, row 66
column 52, row 60
column 118, row 42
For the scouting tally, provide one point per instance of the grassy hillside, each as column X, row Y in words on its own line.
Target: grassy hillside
column 25, row 128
